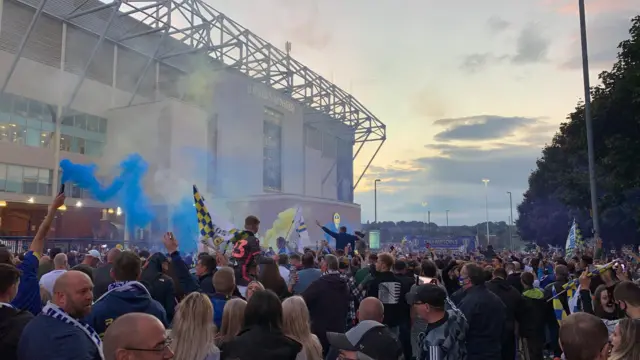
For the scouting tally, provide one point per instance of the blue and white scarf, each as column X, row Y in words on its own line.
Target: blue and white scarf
column 55, row 312
column 124, row 286
column 3, row 304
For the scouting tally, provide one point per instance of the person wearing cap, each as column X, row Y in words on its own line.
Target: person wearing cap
column 445, row 334
column 369, row 340
column 92, row 258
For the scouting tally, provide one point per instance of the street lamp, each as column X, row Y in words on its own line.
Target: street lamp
column 375, row 200
column 424, row 213
column 486, row 201
column 587, row 117
column 447, row 217
column 510, row 221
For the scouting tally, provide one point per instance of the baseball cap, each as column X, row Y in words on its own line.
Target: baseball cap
column 343, row 263
column 430, row 294
column 93, row 253
column 370, row 339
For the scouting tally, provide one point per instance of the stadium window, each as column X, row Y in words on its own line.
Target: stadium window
column 93, row 148
column 20, row 106
column 44, row 181
column 76, row 192
column 34, row 110
column 103, row 125
column 30, row 181
column 65, row 143
column 67, row 120
column 6, row 103
column 272, row 150
column 93, row 123
column 33, row 137
column 80, row 121
column 77, row 145
column 14, row 179
column 17, row 134
column 3, row 176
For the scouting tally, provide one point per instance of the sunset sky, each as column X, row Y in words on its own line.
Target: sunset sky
column 468, row 89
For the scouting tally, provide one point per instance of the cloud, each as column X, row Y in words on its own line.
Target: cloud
column 482, row 127
column 604, row 33
column 570, row 7
column 304, row 25
column 531, row 47
column 497, row 25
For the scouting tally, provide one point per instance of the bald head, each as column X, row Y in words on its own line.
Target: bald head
column 73, row 292
column 111, row 255
column 371, row 309
column 133, row 330
column 579, row 326
column 66, row 281
column 60, row 261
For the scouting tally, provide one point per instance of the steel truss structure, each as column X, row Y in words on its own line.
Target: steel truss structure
column 200, row 29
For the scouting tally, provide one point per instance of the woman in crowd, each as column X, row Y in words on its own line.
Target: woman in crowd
column 253, row 287
column 626, row 340
column 271, row 279
column 262, row 337
column 232, row 320
column 296, row 326
column 603, row 306
column 193, row 331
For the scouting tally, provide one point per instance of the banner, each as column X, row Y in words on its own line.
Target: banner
column 457, row 243
column 374, row 239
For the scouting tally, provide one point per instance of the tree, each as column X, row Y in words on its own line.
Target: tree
column 559, row 186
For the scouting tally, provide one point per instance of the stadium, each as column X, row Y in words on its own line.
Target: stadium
column 201, row 98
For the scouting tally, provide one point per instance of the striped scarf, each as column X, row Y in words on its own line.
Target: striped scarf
column 55, row 312
column 2, row 304
column 124, row 286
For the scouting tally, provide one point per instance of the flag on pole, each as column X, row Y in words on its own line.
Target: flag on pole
column 574, row 240
column 213, row 230
column 301, row 229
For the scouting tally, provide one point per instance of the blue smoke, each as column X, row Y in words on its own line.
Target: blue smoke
column 185, row 225
column 126, row 188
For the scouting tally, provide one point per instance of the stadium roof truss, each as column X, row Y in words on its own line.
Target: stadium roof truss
column 201, row 29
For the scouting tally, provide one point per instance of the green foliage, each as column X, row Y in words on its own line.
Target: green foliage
column 559, row 187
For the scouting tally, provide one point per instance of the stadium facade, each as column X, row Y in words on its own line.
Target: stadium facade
column 201, row 98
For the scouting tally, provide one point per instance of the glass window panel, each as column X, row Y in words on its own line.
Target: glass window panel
column 65, row 143
column 44, row 181
column 6, row 102
column 67, row 120
column 272, row 159
column 76, row 192
column 3, row 176
column 5, row 131
column 20, row 105
column 93, row 148
column 77, row 145
column 93, row 123
column 14, row 179
column 81, row 121
column 17, row 134
column 34, row 137
column 46, row 139
column 103, row 125
column 35, row 109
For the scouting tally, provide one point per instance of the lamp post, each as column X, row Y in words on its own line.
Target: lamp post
column 424, row 213
column 510, row 221
column 375, row 200
column 486, row 201
column 587, row 117
column 447, row 217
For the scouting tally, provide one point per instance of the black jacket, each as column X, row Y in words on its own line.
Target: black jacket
column 512, row 300
column 328, row 302
column 514, row 280
column 101, row 280
column 391, row 291
column 206, row 283
column 160, row 286
column 260, row 343
column 486, row 315
column 532, row 315
column 12, row 322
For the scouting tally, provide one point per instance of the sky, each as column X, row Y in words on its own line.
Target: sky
column 468, row 89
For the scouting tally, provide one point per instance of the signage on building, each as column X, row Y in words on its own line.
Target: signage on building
column 264, row 93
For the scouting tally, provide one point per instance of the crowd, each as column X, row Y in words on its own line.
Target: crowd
column 347, row 303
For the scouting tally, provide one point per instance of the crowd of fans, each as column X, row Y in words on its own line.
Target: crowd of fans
column 318, row 304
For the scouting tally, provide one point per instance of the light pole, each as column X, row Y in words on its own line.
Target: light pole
column 587, row 117
column 447, row 217
column 429, row 222
column 486, row 201
column 375, row 200
column 510, row 221
column 424, row 213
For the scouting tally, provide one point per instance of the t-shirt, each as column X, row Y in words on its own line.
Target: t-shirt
column 49, row 279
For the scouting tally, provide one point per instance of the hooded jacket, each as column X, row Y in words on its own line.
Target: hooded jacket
column 160, row 286
column 116, row 303
column 328, row 302
column 445, row 340
column 391, row 291
column 512, row 300
column 12, row 322
column 260, row 343
column 532, row 314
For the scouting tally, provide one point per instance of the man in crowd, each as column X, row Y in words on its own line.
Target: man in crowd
column 532, row 315
column 343, row 239
column 512, row 299
column 584, row 337
column 125, row 295
column 367, row 340
column 627, row 295
column 308, row 274
column 102, row 275
column 485, row 314
column 58, row 332
column 92, row 258
column 224, row 282
column 205, row 269
column 246, row 250
column 391, row 291
column 60, row 266
column 12, row 320
column 328, row 301
column 28, row 296
column 135, row 336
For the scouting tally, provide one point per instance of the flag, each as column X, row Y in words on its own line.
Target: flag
column 301, row 229
column 574, row 240
column 213, row 230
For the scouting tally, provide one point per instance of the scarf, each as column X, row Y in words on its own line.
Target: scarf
column 55, row 312
column 124, row 286
column 331, row 272
column 2, row 304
